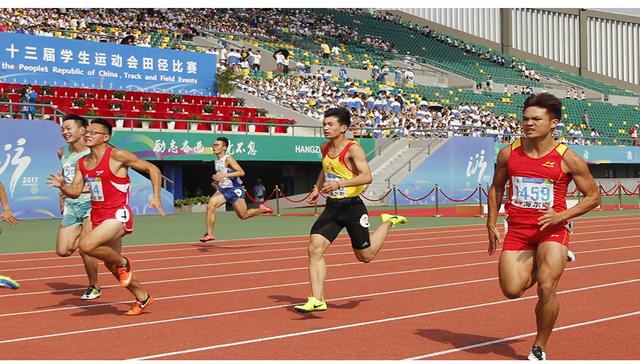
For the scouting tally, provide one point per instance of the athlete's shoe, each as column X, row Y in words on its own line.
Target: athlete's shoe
column 8, row 282
column 207, row 238
column 92, row 293
column 313, row 304
column 269, row 210
column 570, row 256
column 139, row 306
column 125, row 274
column 537, row 354
column 395, row 219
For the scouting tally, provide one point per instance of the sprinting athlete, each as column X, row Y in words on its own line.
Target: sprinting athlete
column 535, row 248
column 105, row 169
column 76, row 212
column 229, row 189
column 344, row 176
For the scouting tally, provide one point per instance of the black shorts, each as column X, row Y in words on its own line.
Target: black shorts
column 340, row 213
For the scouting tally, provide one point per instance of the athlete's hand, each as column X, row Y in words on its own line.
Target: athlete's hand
column 549, row 217
column 329, row 186
column 157, row 204
column 55, row 180
column 218, row 176
column 313, row 196
column 8, row 217
column 494, row 238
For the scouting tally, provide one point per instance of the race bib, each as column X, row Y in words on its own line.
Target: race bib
column 68, row 171
column 95, row 186
column 340, row 192
column 123, row 215
column 532, row 193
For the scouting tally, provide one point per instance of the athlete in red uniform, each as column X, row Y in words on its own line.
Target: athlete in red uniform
column 535, row 248
column 105, row 170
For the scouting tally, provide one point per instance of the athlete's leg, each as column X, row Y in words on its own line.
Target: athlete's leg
column 240, row 207
column 95, row 243
column 551, row 260
column 134, row 287
column 377, row 239
column 516, row 272
column 215, row 202
column 318, row 244
column 67, row 240
column 90, row 263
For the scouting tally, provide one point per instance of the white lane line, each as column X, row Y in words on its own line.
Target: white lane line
column 306, row 238
column 342, row 237
column 304, row 256
column 9, row 271
column 367, row 323
column 280, row 306
column 521, row 336
column 627, row 217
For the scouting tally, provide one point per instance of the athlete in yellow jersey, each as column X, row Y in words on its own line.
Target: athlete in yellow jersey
column 344, row 176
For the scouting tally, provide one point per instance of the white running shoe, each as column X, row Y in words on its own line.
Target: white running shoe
column 537, row 354
column 570, row 256
column 92, row 293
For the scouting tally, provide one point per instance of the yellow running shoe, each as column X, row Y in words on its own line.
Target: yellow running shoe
column 395, row 219
column 313, row 304
column 8, row 282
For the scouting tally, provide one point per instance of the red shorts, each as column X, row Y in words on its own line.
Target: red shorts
column 122, row 214
column 527, row 236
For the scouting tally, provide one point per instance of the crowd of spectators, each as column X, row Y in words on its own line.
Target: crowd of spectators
column 390, row 109
column 310, row 94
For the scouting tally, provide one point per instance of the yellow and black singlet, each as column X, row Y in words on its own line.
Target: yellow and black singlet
column 336, row 169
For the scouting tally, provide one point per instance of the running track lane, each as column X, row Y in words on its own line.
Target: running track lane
column 346, row 263
column 373, row 265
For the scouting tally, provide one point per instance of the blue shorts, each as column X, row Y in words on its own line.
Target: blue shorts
column 233, row 194
column 75, row 212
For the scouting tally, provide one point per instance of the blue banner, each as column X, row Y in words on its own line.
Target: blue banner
column 458, row 167
column 29, row 155
column 78, row 63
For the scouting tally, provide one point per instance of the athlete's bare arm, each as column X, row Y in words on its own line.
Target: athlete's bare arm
column 62, row 197
column 313, row 196
column 575, row 166
column 496, row 191
column 74, row 190
column 129, row 159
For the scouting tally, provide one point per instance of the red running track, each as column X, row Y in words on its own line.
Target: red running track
column 431, row 293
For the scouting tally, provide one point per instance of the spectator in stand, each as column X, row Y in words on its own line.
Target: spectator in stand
column 28, row 96
column 257, row 57
column 335, row 50
column 409, row 76
column 634, row 135
column 489, row 84
column 326, row 51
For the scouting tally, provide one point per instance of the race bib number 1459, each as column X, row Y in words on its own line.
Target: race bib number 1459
column 532, row 193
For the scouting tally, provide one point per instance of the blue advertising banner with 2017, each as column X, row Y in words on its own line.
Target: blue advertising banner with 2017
column 29, row 155
column 77, row 63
